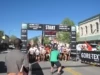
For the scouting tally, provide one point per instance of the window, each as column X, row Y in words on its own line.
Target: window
column 97, row 26
column 81, row 31
column 86, row 29
column 91, row 28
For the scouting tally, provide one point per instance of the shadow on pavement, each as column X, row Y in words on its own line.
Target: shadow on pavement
column 60, row 71
column 2, row 67
column 36, row 69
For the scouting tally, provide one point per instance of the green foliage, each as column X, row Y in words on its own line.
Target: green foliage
column 13, row 37
column 1, row 33
column 35, row 40
column 65, row 36
column 46, row 40
column 68, row 22
column 6, row 39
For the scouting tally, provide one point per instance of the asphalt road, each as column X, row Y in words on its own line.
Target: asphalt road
column 69, row 68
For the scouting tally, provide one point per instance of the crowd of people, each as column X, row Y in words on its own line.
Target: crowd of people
column 15, row 60
column 53, row 52
column 42, row 52
column 88, row 47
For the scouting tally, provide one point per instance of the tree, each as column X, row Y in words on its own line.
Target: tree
column 68, row 22
column 35, row 40
column 13, row 37
column 65, row 36
column 6, row 40
column 1, row 33
column 46, row 40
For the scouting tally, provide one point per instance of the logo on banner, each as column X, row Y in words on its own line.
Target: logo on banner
column 91, row 56
column 73, row 32
column 50, row 27
column 73, row 41
column 24, row 40
column 24, row 26
column 73, row 37
column 73, row 45
column 24, row 45
column 24, row 31
column 24, row 35
column 73, row 28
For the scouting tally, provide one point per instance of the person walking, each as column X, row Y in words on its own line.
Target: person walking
column 15, row 60
column 54, row 55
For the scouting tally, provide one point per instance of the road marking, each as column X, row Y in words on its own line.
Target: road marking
column 73, row 72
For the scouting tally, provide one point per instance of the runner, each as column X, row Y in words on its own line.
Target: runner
column 65, row 53
column 43, row 53
column 68, row 53
column 60, row 50
column 37, row 52
column 31, row 53
column 54, row 54
column 47, row 48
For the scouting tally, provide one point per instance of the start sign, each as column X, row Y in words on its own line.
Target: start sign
column 50, row 27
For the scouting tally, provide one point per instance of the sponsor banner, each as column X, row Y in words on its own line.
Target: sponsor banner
column 49, row 32
column 64, row 28
column 90, row 56
column 35, row 27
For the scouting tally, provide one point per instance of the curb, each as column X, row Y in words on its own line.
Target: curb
column 91, row 63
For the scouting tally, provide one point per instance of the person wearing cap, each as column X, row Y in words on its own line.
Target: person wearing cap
column 54, row 55
column 15, row 59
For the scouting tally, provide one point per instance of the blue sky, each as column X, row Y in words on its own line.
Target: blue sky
column 15, row 12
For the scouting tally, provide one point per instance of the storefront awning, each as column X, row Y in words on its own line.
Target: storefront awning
column 89, row 38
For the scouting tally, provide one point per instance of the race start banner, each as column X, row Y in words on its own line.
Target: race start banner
column 48, row 29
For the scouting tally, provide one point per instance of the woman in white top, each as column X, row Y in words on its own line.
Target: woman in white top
column 37, row 52
column 31, row 53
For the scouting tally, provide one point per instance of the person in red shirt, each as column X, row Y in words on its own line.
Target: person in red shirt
column 89, row 47
column 47, row 48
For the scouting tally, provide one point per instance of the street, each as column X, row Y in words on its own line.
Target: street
column 69, row 68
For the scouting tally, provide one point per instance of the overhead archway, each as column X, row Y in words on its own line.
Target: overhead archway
column 47, row 27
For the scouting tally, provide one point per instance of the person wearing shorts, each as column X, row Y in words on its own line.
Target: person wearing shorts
column 60, row 50
column 68, row 53
column 37, row 52
column 43, row 52
column 65, row 54
column 47, row 48
column 54, row 54
column 31, row 53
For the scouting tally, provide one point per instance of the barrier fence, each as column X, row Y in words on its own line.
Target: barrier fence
column 90, row 56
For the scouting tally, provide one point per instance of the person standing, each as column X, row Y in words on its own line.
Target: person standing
column 42, row 52
column 54, row 55
column 15, row 59
column 98, row 47
column 37, row 52
column 31, row 53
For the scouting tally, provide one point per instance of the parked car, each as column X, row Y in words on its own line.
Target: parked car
column 94, row 47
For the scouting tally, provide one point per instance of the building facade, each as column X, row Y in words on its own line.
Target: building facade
column 89, row 29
